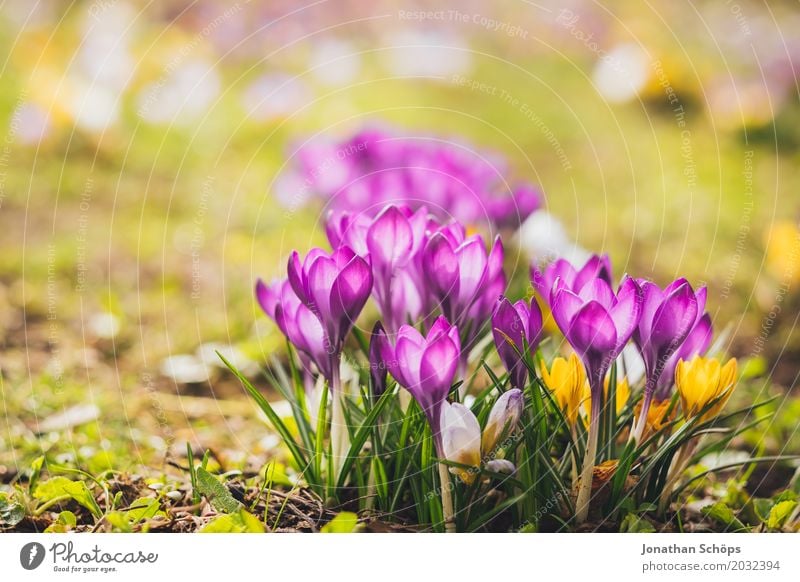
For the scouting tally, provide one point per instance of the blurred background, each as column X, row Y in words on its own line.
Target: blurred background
column 151, row 167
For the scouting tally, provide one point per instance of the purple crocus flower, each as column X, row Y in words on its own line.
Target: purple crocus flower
column 460, row 271
column 596, row 267
column 300, row 326
column 454, row 180
column 393, row 242
column 425, row 366
column 697, row 342
column 516, row 323
column 597, row 323
column 334, row 287
column 668, row 316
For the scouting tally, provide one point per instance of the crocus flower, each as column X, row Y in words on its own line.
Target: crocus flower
column 657, row 416
column 597, row 323
column 300, row 326
column 375, row 167
column 514, row 325
column 460, row 272
column 334, row 287
column 696, row 343
column 597, row 267
column 461, row 440
column 667, row 318
column 393, row 242
column 503, row 419
column 425, row 366
column 566, row 380
column 701, row 381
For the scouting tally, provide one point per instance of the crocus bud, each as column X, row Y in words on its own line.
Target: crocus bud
column 461, row 440
column 377, row 367
column 501, row 466
column 503, row 418
column 702, row 381
column 566, row 380
column 513, row 326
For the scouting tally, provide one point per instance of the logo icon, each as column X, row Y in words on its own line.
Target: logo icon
column 31, row 555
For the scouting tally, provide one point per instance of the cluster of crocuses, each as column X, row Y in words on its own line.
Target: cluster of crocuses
column 437, row 289
column 375, row 166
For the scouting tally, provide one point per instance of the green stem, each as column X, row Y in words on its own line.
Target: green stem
column 447, row 499
column 585, row 487
column 339, row 434
column 675, row 471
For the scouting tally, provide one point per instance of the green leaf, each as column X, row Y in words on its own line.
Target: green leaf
column 11, row 512
column 266, row 408
column 61, row 487
column 216, row 493
column 635, row 524
column 239, row 522
column 65, row 521
column 723, row 514
column 344, row 522
column 779, row 513
column 36, row 471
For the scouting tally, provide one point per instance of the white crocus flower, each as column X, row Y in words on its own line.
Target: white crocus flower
column 461, row 439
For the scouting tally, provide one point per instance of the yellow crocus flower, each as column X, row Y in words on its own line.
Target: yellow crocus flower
column 658, row 416
column 566, row 379
column 703, row 380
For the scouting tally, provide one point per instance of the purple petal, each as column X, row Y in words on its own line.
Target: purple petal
column 295, row 271
column 674, row 319
column 564, row 305
column 592, row 330
column 267, row 297
column 441, row 265
column 627, row 312
column 349, row 293
column 389, row 239
column 472, row 263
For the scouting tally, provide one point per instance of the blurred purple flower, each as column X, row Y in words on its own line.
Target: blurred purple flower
column 518, row 324
column 375, row 167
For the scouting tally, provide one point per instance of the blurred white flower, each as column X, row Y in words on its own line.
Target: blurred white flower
column 275, row 95
column 621, row 73
column 335, row 62
column 427, row 52
column 185, row 369
column 104, row 325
